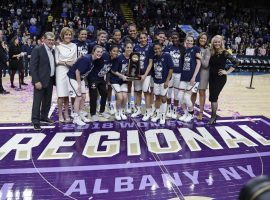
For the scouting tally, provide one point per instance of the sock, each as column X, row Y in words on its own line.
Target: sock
column 163, row 107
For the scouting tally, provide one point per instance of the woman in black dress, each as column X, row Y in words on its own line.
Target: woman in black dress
column 3, row 64
column 15, row 61
column 218, row 73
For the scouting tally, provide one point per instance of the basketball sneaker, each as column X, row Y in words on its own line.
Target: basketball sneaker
column 77, row 120
column 155, row 117
column 188, row 118
column 137, row 112
column 162, row 118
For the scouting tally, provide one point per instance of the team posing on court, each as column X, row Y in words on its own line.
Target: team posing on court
column 169, row 74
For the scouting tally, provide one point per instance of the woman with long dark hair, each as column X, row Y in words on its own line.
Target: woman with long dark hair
column 119, row 80
column 3, row 64
column 15, row 61
column 204, row 72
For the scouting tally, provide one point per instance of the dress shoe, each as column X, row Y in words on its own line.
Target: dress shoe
column 4, row 92
column 200, row 116
column 23, row 83
column 37, row 127
column 212, row 120
column 61, row 119
column 47, row 121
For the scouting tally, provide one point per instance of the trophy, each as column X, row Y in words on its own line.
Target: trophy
column 134, row 67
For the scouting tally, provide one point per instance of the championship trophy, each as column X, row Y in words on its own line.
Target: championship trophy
column 134, row 67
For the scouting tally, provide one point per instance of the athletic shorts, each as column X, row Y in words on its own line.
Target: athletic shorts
column 73, row 87
column 120, row 88
column 160, row 90
column 142, row 86
column 184, row 85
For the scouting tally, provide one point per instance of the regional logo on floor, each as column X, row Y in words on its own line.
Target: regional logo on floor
column 142, row 160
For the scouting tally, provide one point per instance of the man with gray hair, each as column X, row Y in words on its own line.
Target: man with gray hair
column 42, row 67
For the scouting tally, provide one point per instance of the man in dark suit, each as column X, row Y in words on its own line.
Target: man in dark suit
column 42, row 67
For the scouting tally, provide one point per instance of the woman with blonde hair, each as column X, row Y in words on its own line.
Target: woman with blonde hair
column 218, row 72
column 65, row 57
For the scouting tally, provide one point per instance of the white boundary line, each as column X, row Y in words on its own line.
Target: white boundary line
column 24, row 127
column 205, row 113
column 53, row 106
column 132, row 165
column 218, row 121
column 238, row 120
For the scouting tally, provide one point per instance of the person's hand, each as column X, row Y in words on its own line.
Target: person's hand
column 192, row 81
column 222, row 72
column 38, row 85
column 7, row 63
column 79, row 91
column 124, row 78
column 143, row 77
column 69, row 63
column 166, row 84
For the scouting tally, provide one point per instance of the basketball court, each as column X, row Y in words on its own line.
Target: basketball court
column 134, row 159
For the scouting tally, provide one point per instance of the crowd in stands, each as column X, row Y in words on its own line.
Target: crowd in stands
column 246, row 30
column 242, row 28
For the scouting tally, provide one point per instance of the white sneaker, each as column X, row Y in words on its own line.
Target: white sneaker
column 183, row 117
column 146, row 116
column 137, row 113
column 94, row 118
column 188, row 118
column 153, row 110
column 105, row 115
column 83, row 113
column 169, row 112
column 84, row 119
column 128, row 108
column 72, row 114
column 174, row 114
column 111, row 109
column 117, row 116
column 133, row 109
column 77, row 120
column 155, row 117
column 123, row 115
column 162, row 118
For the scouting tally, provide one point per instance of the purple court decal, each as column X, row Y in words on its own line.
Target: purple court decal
column 133, row 159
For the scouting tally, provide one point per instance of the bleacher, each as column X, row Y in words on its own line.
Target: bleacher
column 253, row 63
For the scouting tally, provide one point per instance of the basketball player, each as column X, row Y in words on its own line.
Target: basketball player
column 146, row 60
column 175, row 51
column 119, row 81
column 163, row 69
column 190, row 64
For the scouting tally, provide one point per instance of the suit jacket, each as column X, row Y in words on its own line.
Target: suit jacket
column 40, row 66
column 3, row 58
